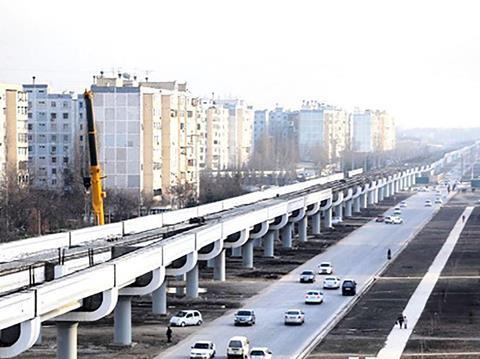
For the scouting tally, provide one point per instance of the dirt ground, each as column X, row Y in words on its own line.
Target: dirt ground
column 94, row 340
column 364, row 329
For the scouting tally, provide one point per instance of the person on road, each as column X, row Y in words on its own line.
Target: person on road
column 463, row 218
column 389, row 254
column 169, row 334
column 405, row 321
column 400, row 320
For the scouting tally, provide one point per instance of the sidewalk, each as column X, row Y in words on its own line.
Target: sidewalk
column 398, row 338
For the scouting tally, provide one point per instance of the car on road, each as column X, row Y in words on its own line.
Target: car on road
column 331, row 283
column 396, row 220
column 325, row 268
column 403, row 204
column 238, row 347
column 428, row 203
column 388, row 220
column 203, row 349
column 260, row 353
column 244, row 317
column 294, row 316
column 307, row 276
column 349, row 287
column 380, row 219
column 186, row 317
column 438, row 201
column 313, row 296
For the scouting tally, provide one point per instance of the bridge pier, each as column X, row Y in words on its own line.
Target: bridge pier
column 348, row 208
column 179, row 290
column 67, row 340
column 381, row 193
column 159, row 299
column 287, row 235
column 247, row 254
column 371, row 197
column 302, row 229
column 356, row 204
column 328, row 217
column 219, row 267
column 237, row 252
column 316, row 229
column 192, row 282
column 268, row 244
column 122, row 318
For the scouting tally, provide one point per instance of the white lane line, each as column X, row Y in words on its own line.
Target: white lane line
column 397, row 339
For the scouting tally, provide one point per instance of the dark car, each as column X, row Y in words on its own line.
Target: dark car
column 307, row 276
column 244, row 317
column 380, row 219
column 349, row 287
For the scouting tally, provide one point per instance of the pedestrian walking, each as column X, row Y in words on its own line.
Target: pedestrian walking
column 400, row 320
column 389, row 254
column 405, row 321
column 169, row 334
column 463, row 218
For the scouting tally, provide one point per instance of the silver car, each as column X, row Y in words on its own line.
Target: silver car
column 294, row 316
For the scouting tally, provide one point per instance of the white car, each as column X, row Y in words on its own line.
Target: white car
column 325, row 268
column 331, row 283
column 203, row 349
column 438, row 201
column 397, row 211
column 396, row 220
column 260, row 353
column 428, row 203
column 186, row 317
column 403, row 204
column 336, row 220
column 313, row 297
column 388, row 220
column 294, row 316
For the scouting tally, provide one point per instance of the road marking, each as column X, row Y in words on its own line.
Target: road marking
column 398, row 338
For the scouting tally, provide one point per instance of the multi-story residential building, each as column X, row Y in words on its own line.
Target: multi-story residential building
column 54, row 139
column 372, row 131
column 13, row 133
column 260, row 127
column 217, row 138
column 129, row 135
column 322, row 132
column 240, row 131
column 203, row 106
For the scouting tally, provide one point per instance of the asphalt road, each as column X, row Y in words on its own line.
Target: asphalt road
column 359, row 256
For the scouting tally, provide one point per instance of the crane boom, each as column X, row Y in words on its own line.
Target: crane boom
column 95, row 170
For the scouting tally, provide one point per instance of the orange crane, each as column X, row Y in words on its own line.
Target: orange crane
column 95, row 180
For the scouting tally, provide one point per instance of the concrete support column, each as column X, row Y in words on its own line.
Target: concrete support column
column 159, row 299
column 376, row 194
column 192, row 282
column 356, row 204
column 67, row 340
column 414, row 180
column 276, row 235
column 302, row 229
column 371, row 197
column 247, row 254
column 287, row 236
column 237, row 252
column 179, row 290
column 338, row 211
column 364, row 200
column 316, row 223
column 122, row 318
column 392, row 188
column 327, row 214
column 381, row 193
column 387, row 190
column 268, row 244
column 348, row 208
column 219, row 267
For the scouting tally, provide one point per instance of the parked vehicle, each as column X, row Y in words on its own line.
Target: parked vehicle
column 186, row 317
column 294, row 316
column 325, row 268
column 349, row 287
column 244, row 317
column 260, row 353
column 331, row 283
column 203, row 349
column 238, row 347
column 313, row 296
column 307, row 276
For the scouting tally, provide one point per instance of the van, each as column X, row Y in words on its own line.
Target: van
column 238, row 347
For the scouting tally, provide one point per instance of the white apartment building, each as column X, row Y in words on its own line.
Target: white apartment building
column 129, row 136
column 240, row 131
column 13, row 133
column 217, row 138
column 260, row 127
column 53, row 135
column 373, row 131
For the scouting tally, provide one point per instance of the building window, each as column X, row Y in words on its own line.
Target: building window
column 54, row 171
column 54, row 182
column 53, row 116
column 53, row 104
column 54, row 149
column 53, row 138
column 65, row 126
column 65, row 160
column 54, row 159
column 30, row 115
column 65, row 115
column 65, row 104
column 30, row 127
column 65, row 138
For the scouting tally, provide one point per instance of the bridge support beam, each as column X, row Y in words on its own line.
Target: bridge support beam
column 219, row 267
column 387, row 190
column 237, row 252
column 348, row 208
column 192, row 282
column 247, row 254
column 371, row 197
column 381, row 192
column 268, row 244
column 159, row 299
column 287, row 235
column 316, row 229
column 328, row 217
column 67, row 340
column 302, row 229
column 356, row 204
column 122, row 317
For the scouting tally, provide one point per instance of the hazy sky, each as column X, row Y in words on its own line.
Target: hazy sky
column 420, row 60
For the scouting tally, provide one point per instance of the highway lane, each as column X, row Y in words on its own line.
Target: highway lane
column 360, row 256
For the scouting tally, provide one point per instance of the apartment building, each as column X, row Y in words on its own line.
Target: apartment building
column 13, row 133
column 388, row 131
column 260, row 127
column 217, row 138
column 129, row 135
column 240, row 131
column 373, row 131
